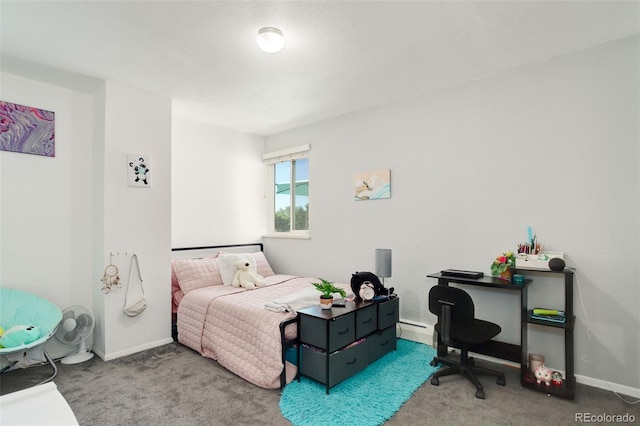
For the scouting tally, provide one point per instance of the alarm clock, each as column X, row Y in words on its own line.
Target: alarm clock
column 366, row 286
column 367, row 291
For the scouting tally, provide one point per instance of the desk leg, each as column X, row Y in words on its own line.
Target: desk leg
column 442, row 348
column 568, row 356
column 524, row 356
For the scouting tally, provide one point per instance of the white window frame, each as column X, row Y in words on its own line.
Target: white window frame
column 270, row 159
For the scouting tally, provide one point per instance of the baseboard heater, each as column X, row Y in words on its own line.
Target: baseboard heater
column 412, row 323
column 418, row 332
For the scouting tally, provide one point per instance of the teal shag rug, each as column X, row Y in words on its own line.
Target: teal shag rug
column 368, row 398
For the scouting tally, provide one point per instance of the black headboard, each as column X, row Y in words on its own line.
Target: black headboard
column 261, row 245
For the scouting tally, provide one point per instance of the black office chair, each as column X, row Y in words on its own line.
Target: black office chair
column 458, row 327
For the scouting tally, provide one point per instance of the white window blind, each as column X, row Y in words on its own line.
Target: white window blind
column 288, row 154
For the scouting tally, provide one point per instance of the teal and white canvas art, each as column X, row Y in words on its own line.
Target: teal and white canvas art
column 374, row 185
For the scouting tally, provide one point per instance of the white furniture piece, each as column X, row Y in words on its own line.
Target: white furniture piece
column 38, row 405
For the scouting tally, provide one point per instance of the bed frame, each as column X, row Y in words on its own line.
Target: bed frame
column 286, row 344
column 261, row 245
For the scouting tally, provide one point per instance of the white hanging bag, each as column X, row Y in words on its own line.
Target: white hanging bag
column 139, row 304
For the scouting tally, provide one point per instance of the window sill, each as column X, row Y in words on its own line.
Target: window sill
column 287, row 235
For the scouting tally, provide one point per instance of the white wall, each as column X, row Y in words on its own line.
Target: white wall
column 136, row 219
column 218, row 194
column 61, row 217
column 46, row 203
column 554, row 145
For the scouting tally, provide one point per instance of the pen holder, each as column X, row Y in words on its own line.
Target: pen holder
column 518, row 279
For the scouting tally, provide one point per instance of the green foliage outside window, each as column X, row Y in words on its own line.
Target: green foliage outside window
column 301, row 222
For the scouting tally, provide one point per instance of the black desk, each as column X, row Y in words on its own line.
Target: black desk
column 492, row 348
column 518, row 353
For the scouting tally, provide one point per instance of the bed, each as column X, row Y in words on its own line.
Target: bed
column 248, row 332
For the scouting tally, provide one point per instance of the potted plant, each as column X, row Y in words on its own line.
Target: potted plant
column 327, row 288
column 502, row 266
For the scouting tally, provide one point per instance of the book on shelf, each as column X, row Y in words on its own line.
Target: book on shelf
column 559, row 318
column 546, row 311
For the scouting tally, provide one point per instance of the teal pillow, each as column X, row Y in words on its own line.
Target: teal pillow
column 19, row 335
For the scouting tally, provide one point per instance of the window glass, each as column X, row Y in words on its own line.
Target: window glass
column 301, row 198
column 282, row 197
column 291, row 211
column 289, row 199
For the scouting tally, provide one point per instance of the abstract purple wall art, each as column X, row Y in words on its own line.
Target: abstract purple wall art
column 26, row 129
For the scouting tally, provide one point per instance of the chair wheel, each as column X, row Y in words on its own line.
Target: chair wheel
column 480, row 394
column 433, row 363
column 501, row 381
column 435, row 381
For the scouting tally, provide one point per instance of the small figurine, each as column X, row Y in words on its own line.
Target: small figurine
column 543, row 374
column 556, row 378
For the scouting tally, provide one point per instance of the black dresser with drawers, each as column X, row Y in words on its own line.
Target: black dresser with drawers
column 337, row 343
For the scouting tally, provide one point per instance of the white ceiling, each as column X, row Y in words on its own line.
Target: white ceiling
column 339, row 56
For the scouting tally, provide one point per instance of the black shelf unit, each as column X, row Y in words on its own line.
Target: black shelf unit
column 567, row 389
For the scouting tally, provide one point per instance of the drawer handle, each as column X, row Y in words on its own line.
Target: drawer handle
column 352, row 362
column 367, row 321
column 386, row 342
column 391, row 313
column 344, row 332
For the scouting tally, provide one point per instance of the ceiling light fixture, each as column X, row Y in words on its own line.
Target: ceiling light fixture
column 270, row 39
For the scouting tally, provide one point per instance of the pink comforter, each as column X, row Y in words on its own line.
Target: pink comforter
column 232, row 326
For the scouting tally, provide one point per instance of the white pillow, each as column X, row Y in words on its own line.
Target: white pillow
column 197, row 273
column 227, row 262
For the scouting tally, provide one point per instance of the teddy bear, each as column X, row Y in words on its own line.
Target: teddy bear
column 245, row 277
column 543, row 374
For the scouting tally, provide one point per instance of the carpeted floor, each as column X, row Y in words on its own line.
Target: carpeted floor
column 173, row 385
column 383, row 387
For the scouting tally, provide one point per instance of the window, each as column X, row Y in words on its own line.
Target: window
column 289, row 193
